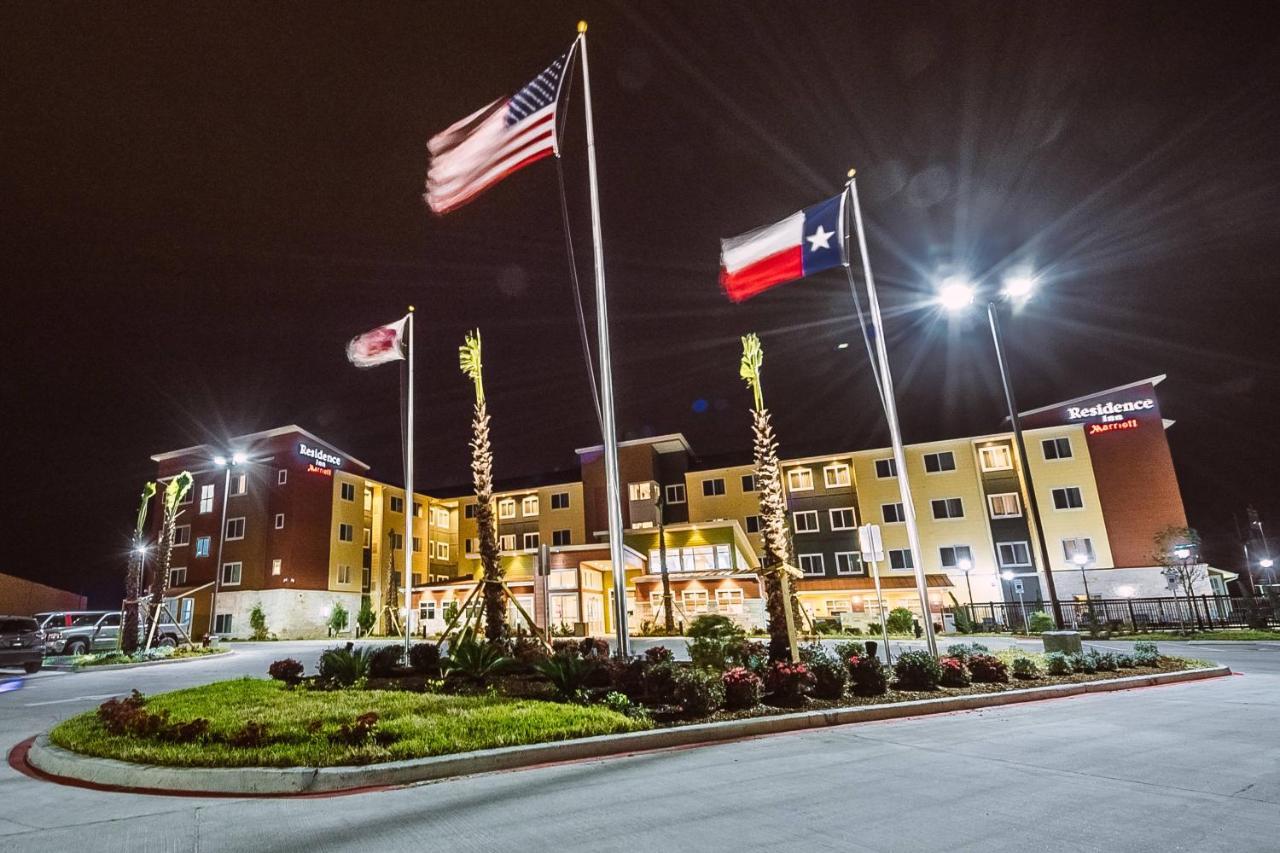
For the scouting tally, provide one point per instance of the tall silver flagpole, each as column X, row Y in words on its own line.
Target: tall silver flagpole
column 891, row 415
column 408, row 493
column 612, row 488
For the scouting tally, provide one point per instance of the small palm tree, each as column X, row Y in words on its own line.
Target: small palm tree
column 133, row 576
column 174, row 492
column 775, row 561
column 495, row 622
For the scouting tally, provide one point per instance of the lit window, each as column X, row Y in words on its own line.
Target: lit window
column 1005, row 505
column 276, row 566
column 1056, row 448
column 530, row 541
column 206, row 498
column 507, row 542
column 848, row 563
column 282, row 476
column 836, row 606
column 694, row 601
column 995, row 457
column 346, row 532
column 811, row 564
column 561, row 537
column 1079, row 545
column 640, row 491
column 562, row 579
column 279, row 521
column 235, row 528
column 893, row 513
column 805, row 521
column 835, row 476
column 239, row 485
column 368, row 499
column 936, row 463
column 178, row 576
column 1013, row 554
column 347, row 491
column 675, row 493
column 507, row 508
column 182, row 536
column 886, row 468
column 202, row 545
column 713, row 487
column 1068, row 497
column 800, row 480
column 944, row 508
column 231, row 573
column 727, row 600
column 417, row 509
column 559, row 500
column 951, row 556
column 440, row 517
column 748, row 482
column 900, row 558
column 842, row 519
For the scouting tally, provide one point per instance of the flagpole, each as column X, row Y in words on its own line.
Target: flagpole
column 608, row 426
column 891, row 415
column 408, row 491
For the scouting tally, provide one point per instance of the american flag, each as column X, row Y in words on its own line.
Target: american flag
column 491, row 143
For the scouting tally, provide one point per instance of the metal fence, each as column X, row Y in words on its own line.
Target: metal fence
column 1200, row 612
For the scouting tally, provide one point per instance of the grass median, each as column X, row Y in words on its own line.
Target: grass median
column 306, row 727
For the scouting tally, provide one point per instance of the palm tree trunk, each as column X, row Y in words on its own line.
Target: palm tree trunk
column 773, row 533
column 495, row 616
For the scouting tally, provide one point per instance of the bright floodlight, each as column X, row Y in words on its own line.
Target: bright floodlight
column 965, row 564
column 220, row 461
column 1182, row 553
column 1080, row 559
column 1266, row 562
column 1007, row 575
column 238, row 458
column 141, row 549
column 956, row 294
column 1019, row 286
column 842, row 345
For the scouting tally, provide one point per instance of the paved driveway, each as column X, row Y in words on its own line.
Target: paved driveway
column 1183, row 767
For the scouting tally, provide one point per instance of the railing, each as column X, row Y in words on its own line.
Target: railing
column 1199, row 612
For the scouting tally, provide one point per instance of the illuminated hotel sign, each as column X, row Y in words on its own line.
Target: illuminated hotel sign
column 1114, row 426
column 320, row 458
column 1110, row 413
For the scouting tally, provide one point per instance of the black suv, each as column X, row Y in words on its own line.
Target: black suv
column 21, row 643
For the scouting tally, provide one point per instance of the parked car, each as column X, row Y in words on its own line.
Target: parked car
column 51, row 619
column 21, row 643
column 99, row 632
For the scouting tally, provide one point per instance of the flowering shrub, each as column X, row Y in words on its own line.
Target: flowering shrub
column 954, row 673
column 851, row 648
column 917, row 670
column 742, row 688
column 698, row 691
column 751, row 654
column 829, row 673
column 287, row 670
column 1025, row 668
column 988, row 669
column 868, row 675
column 788, row 682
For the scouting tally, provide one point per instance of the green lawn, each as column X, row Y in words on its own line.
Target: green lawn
column 417, row 725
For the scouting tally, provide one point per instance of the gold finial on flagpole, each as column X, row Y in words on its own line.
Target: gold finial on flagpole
column 582, row 26
column 852, row 172
column 410, row 309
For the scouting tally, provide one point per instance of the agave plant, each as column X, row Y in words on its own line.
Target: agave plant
column 474, row 661
column 174, row 492
column 345, row 665
column 773, row 508
column 133, row 575
column 495, row 622
column 566, row 672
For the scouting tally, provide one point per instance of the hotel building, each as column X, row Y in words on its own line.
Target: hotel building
column 307, row 528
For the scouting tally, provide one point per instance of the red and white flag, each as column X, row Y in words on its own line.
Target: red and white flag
column 491, row 143
column 378, row 346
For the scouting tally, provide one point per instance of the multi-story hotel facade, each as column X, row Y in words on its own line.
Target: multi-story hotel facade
column 306, row 528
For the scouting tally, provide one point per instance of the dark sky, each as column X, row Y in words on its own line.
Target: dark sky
column 202, row 202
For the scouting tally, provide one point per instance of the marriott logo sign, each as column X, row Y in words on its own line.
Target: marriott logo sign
column 1109, row 411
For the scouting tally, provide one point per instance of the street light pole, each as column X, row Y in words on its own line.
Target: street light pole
column 1032, row 504
column 222, row 538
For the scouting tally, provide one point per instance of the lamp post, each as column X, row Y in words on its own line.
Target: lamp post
column 1082, row 560
column 965, row 565
column 957, row 295
column 236, row 460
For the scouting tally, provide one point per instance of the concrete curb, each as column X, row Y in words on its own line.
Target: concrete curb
column 275, row 781
column 106, row 667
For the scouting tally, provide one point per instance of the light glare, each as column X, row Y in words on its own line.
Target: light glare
column 238, row 458
column 956, row 294
column 220, row 461
column 1019, row 286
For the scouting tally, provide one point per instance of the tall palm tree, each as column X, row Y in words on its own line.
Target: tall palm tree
column 174, row 492
column 495, row 622
column 775, row 561
column 133, row 576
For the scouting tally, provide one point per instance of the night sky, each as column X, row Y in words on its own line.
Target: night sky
column 202, row 202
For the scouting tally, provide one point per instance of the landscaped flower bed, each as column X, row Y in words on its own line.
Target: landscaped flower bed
column 368, row 705
column 115, row 658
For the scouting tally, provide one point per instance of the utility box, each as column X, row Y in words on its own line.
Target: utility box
column 1067, row 642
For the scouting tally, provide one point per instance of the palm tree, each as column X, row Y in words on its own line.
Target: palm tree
column 133, row 576
column 495, row 623
column 174, row 492
column 775, row 561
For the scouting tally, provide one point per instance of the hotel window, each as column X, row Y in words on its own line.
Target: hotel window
column 640, row 491
column 886, row 468
column 836, row 606
column 417, row 544
column 368, row 499
column 893, row 513
column 344, row 575
column 239, row 485
column 996, row 457
column 1013, row 555
column 427, row 610
column 182, row 536
column 202, row 545
column 235, row 528
column 507, row 542
column 694, row 601
column 561, row 537
column 282, row 476
column 417, row 578
column 397, row 504
column 222, row 623
column 279, row 521
column 347, row 491
column 727, row 600
column 440, row 517
column 529, row 506
column 417, row 509
column 231, row 573
column 675, row 493
column 748, row 482
column 397, row 540
column 1005, row 505
column 442, row 550
column 848, row 563
column 805, row 521
column 952, row 555
column 559, row 500
column 368, row 538
column 530, row 541
column 562, row 579
column 842, row 519
column 469, row 511
column 178, row 576
column 800, row 480
column 346, row 533
column 206, row 498
column 1068, row 497
column 753, row 524
column 507, row 508
column 936, row 463
column 469, row 545
column 811, row 564
column 277, row 566
column 944, row 508
column 1056, row 448
column 900, row 558
column 836, row 476
column 713, row 487
column 366, row 578
column 1078, row 545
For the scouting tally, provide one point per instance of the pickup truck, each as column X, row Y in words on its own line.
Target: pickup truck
column 98, row 632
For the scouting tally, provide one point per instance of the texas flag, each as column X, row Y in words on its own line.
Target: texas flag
column 800, row 245
column 378, row 346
